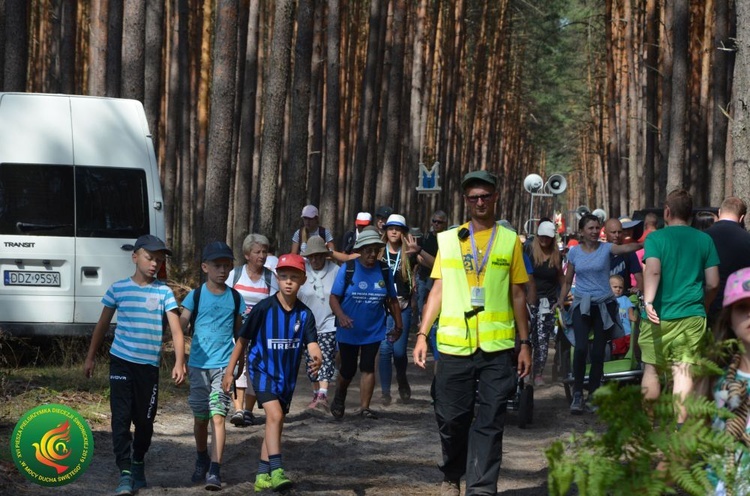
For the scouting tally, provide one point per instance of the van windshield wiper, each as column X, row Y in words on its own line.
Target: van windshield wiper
column 27, row 226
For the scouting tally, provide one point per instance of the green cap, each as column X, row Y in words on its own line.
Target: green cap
column 480, row 175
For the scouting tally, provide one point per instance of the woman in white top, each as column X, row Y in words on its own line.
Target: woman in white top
column 315, row 293
column 255, row 283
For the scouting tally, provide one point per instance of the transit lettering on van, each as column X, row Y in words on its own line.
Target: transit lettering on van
column 78, row 185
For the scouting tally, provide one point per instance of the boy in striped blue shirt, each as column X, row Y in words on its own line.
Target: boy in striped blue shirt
column 276, row 330
column 141, row 301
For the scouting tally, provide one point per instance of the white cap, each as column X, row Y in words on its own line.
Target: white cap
column 396, row 220
column 363, row 219
column 546, row 228
column 310, row 211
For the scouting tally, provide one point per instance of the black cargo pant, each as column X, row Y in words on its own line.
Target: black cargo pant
column 473, row 448
column 133, row 396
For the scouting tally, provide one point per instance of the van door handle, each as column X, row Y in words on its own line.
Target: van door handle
column 127, row 247
column 90, row 271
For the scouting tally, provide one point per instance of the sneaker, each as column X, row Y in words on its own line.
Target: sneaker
column 589, row 406
column 138, row 471
column 213, row 482
column 450, row 488
column 248, row 417
column 576, row 407
column 238, row 419
column 279, row 480
column 386, row 399
column 263, row 482
column 322, row 403
column 125, row 485
column 538, row 381
column 201, row 469
column 314, row 403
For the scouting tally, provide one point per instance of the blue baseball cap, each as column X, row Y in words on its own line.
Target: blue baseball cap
column 151, row 243
column 216, row 250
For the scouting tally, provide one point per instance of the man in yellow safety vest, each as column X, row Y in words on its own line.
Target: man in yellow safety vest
column 478, row 292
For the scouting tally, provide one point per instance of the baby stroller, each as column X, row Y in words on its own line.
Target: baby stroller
column 625, row 368
column 521, row 399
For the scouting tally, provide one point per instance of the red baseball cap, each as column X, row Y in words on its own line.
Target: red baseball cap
column 291, row 261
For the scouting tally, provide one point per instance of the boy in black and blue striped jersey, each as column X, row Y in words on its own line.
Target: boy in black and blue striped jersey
column 276, row 330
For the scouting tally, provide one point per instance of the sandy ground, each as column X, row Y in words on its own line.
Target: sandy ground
column 396, row 454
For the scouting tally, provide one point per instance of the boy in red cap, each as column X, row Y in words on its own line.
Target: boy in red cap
column 275, row 331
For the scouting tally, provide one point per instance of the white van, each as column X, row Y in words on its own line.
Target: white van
column 78, row 184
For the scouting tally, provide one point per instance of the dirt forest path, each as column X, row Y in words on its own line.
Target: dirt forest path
column 396, row 454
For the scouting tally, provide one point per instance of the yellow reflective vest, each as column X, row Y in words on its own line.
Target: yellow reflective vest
column 492, row 329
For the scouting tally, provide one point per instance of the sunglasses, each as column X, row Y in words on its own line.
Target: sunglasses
column 475, row 198
column 438, row 221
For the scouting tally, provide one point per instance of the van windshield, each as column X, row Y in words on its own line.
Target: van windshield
column 60, row 200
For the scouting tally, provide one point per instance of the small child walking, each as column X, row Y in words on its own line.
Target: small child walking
column 731, row 390
column 626, row 311
column 141, row 302
column 276, row 331
column 214, row 311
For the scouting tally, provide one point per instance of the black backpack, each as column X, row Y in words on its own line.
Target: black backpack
column 267, row 274
column 197, row 299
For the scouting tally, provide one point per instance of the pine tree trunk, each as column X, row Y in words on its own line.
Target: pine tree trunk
column 720, row 95
column 133, row 49
column 67, row 48
column 274, row 99
column 678, row 135
column 652, row 111
column 114, row 48
column 740, row 125
column 153, row 67
column 219, row 161
column 294, row 191
column 243, row 197
column 329, row 207
column 315, row 121
column 390, row 171
column 16, row 45
column 97, row 59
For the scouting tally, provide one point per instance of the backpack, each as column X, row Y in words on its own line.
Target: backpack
column 304, row 236
column 267, row 274
column 197, row 299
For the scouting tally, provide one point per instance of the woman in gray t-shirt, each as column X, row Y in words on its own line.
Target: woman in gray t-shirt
column 594, row 304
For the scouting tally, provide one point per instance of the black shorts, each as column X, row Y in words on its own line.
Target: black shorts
column 265, row 397
column 349, row 354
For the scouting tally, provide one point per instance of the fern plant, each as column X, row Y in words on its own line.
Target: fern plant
column 642, row 452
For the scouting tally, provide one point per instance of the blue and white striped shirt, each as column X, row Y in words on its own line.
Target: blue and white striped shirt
column 140, row 312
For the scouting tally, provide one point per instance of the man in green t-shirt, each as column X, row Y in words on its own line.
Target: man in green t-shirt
column 681, row 279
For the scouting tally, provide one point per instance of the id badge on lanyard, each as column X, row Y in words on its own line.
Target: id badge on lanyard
column 477, row 296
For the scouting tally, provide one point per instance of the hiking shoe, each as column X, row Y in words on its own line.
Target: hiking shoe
column 263, row 482
column 213, row 482
column 248, row 417
column 279, row 480
column 538, row 381
column 201, row 469
column 576, row 407
column 314, row 403
column 125, row 485
column 322, row 403
column 238, row 419
column 386, row 399
column 450, row 488
column 404, row 391
column 138, row 472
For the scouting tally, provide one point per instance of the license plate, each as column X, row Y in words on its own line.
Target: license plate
column 30, row 278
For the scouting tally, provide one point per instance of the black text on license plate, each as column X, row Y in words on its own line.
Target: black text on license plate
column 30, row 278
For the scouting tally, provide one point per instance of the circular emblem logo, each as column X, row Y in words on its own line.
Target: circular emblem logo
column 52, row 445
column 362, row 285
column 381, row 283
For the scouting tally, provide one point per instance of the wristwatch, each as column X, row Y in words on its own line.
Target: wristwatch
column 648, row 303
column 524, row 341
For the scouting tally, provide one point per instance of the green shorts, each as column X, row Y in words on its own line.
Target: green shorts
column 672, row 341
